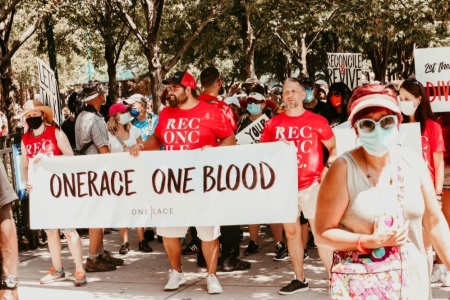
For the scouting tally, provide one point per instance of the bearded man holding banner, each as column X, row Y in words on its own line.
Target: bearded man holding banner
column 188, row 124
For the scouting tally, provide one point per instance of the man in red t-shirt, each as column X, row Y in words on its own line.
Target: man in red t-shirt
column 308, row 131
column 187, row 124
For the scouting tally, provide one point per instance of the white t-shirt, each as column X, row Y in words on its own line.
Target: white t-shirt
column 115, row 146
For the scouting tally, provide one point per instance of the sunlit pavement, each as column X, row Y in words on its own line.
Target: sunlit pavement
column 144, row 275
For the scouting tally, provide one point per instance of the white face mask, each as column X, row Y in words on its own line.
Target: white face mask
column 408, row 108
column 125, row 118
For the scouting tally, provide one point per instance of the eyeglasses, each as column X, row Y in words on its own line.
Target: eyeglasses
column 254, row 101
column 173, row 88
column 368, row 125
column 309, row 89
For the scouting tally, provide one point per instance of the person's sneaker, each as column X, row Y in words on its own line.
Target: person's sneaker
column 98, row 265
column 282, row 253
column 438, row 273
column 124, row 248
column 252, row 248
column 175, row 280
column 53, row 276
column 213, row 284
column 191, row 248
column 446, row 281
column 235, row 264
column 305, row 254
column 107, row 257
column 294, row 287
column 144, row 247
column 80, row 279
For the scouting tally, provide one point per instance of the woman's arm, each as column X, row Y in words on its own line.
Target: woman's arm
column 438, row 162
column 63, row 142
column 433, row 219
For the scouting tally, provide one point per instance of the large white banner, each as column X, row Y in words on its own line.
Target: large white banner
column 346, row 139
column 433, row 71
column 252, row 133
column 346, row 68
column 49, row 89
column 249, row 184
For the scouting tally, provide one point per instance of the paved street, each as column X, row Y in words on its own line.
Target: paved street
column 144, row 275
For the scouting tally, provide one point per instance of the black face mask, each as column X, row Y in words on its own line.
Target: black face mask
column 34, row 122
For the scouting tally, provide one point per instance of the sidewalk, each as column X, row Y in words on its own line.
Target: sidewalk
column 144, row 275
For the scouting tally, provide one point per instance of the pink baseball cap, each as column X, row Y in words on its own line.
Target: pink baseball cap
column 117, row 108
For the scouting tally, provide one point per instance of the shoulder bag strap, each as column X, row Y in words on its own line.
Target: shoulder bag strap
column 86, row 146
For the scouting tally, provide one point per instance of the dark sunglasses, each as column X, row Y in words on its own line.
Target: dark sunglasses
column 254, row 101
column 368, row 125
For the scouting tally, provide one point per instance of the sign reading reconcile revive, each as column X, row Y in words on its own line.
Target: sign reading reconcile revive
column 346, row 68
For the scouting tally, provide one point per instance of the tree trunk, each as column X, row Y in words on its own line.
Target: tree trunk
column 304, row 50
column 9, row 96
column 112, row 71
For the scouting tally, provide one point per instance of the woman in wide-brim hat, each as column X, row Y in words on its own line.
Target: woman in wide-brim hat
column 36, row 105
column 44, row 138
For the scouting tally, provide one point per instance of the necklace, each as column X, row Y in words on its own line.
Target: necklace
column 370, row 174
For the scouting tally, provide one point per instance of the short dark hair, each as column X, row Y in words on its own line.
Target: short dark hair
column 209, row 76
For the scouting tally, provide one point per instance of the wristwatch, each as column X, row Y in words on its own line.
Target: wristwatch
column 9, row 282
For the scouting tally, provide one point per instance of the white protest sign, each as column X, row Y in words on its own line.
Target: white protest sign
column 346, row 68
column 409, row 137
column 49, row 89
column 433, row 71
column 252, row 133
column 214, row 186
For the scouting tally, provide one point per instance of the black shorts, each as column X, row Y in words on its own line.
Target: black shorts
column 302, row 219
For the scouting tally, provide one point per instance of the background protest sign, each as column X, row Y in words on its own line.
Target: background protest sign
column 214, row 186
column 433, row 71
column 252, row 133
column 409, row 137
column 49, row 89
column 346, row 68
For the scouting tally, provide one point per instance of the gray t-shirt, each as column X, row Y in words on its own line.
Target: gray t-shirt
column 7, row 194
column 90, row 126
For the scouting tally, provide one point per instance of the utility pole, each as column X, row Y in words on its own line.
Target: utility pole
column 52, row 59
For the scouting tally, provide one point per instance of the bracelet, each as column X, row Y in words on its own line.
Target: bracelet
column 359, row 246
column 140, row 144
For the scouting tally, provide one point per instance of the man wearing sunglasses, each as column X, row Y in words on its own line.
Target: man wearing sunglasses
column 188, row 124
column 309, row 133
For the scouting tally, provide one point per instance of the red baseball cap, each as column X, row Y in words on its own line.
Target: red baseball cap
column 117, row 108
column 182, row 78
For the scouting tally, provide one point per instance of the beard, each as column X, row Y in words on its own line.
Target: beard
column 175, row 101
column 292, row 105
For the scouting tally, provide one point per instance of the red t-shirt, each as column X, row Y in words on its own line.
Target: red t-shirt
column 187, row 129
column 306, row 131
column 432, row 141
column 45, row 143
column 226, row 109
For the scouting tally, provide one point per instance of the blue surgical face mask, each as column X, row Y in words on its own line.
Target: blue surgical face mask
column 309, row 97
column 134, row 112
column 254, row 109
column 379, row 141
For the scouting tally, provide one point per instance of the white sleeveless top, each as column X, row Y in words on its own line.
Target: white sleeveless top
column 367, row 202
